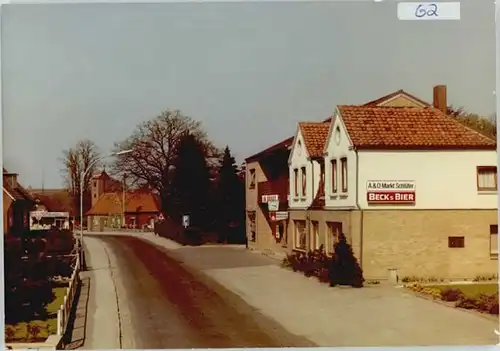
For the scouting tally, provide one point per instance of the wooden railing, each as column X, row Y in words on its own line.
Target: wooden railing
column 65, row 309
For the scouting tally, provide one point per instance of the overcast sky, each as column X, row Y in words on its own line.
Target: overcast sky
column 248, row 71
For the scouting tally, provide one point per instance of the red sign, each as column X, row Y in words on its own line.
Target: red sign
column 390, row 197
column 272, row 216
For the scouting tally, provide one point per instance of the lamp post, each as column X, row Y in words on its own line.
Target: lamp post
column 82, row 181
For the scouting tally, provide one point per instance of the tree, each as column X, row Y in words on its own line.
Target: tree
column 191, row 183
column 155, row 144
column 484, row 125
column 231, row 198
column 76, row 160
column 344, row 268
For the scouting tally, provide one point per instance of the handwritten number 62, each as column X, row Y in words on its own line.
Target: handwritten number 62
column 429, row 10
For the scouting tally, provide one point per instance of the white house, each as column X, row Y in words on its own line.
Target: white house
column 414, row 191
column 306, row 167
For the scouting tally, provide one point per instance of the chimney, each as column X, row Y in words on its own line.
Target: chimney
column 11, row 179
column 439, row 100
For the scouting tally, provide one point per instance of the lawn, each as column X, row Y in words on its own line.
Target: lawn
column 47, row 327
column 471, row 290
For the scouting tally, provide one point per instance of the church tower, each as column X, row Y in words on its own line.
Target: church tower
column 98, row 186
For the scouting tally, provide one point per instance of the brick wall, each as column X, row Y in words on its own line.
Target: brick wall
column 415, row 243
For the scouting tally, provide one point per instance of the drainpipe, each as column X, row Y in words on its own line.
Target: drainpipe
column 308, row 208
column 362, row 218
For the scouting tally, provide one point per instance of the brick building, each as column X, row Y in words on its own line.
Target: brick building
column 17, row 204
column 114, row 208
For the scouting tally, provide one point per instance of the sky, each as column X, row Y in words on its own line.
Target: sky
column 248, row 71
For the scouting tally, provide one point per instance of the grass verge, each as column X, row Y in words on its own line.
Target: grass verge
column 20, row 332
column 470, row 290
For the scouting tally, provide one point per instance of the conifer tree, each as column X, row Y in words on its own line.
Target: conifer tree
column 345, row 269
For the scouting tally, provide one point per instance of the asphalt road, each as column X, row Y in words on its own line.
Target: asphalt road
column 175, row 306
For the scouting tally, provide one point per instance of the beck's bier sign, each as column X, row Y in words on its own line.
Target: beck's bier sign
column 388, row 192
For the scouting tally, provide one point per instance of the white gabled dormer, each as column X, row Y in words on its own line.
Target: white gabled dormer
column 340, row 167
column 305, row 162
column 299, row 168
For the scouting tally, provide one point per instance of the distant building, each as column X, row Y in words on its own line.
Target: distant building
column 17, row 203
column 109, row 210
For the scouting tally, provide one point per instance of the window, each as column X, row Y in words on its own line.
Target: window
column 315, row 242
column 343, row 164
column 251, row 184
column 456, row 242
column 334, row 175
column 487, row 179
column 300, row 235
column 281, row 228
column 494, row 240
column 333, row 233
column 304, row 180
column 296, row 182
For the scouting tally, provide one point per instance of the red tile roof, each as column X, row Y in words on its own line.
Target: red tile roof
column 409, row 128
column 384, row 98
column 56, row 201
column 315, row 135
column 111, row 203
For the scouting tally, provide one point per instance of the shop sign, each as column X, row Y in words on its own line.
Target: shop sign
column 391, row 192
column 273, row 205
column 281, row 215
column 267, row 198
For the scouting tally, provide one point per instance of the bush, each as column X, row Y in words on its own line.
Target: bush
column 468, row 303
column 313, row 263
column 27, row 281
column 192, row 236
column 451, row 294
column 487, row 303
column 344, row 268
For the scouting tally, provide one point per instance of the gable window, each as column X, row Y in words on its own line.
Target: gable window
column 343, row 166
column 304, row 180
column 251, row 184
column 251, row 225
column 333, row 164
column 332, row 235
column 300, row 235
column 487, row 179
column 494, row 241
column 315, row 241
column 455, row 242
column 296, row 182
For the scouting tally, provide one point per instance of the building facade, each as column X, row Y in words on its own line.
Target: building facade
column 114, row 208
column 266, row 180
column 17, row 204
column 413, row 190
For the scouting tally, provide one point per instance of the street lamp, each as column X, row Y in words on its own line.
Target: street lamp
column 82, row 180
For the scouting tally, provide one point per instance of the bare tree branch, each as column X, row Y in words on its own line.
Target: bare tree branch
column 154, row 143
column 76, row 160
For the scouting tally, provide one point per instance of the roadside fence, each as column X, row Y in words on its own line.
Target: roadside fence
column 65, row 309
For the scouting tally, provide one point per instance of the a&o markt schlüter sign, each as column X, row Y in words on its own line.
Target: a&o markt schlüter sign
column 390, row 192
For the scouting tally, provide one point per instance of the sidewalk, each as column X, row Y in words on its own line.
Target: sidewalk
column 96, row 325
column 372, row 316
